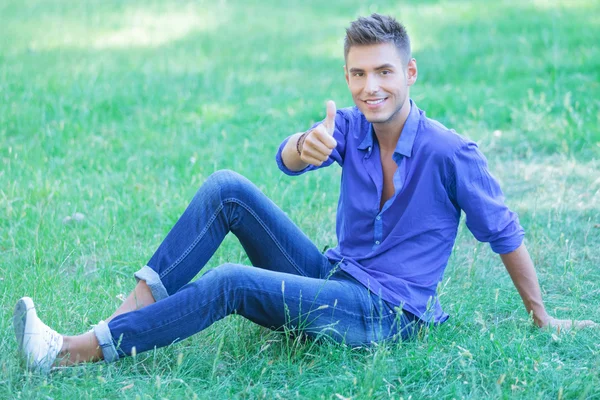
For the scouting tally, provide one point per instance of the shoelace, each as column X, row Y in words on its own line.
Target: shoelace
column 51, row 338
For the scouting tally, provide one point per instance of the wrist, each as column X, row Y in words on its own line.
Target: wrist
column 300, row 142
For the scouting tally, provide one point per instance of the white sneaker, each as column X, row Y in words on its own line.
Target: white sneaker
column 38, row 344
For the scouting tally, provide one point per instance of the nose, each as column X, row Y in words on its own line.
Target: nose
column 372, row 84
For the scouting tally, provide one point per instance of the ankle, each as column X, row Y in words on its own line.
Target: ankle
column 78, row 349
column 66, row 344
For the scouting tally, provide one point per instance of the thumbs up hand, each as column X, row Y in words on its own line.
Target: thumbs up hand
column 318, row 143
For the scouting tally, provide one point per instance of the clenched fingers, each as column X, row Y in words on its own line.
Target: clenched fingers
column 315, row 154
column 317, row 146
column 320, row 134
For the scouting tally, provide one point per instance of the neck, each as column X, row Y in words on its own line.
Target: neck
column 389, row 132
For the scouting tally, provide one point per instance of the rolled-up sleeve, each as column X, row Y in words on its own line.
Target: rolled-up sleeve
column 479, row 195
column 337, row 155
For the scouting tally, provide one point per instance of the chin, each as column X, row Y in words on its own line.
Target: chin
column 376, row 119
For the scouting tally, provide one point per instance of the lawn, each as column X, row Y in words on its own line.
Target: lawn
column 118, row 110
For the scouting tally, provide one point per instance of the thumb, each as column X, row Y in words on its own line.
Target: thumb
column 330, row 119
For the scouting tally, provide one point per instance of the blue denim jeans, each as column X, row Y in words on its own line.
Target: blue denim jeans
column 291, row 285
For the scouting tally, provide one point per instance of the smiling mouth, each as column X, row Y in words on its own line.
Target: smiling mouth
column 375, row 102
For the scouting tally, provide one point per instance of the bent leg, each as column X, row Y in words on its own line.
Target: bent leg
column 225, row 202
column 229, row 202
column 340, row 308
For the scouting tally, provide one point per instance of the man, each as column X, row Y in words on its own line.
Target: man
column 405, row 180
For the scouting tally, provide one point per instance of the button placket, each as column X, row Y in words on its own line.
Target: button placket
column 378, row 229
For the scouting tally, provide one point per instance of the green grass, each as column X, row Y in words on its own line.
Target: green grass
column 119, row 110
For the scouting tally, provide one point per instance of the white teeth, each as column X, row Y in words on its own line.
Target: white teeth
column 375, row 101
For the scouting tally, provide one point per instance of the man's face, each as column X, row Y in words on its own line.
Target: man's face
column 379, row 80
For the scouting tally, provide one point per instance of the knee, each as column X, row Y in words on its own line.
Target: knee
column 226, row 182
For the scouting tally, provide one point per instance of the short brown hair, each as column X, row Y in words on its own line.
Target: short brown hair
column 378, row 29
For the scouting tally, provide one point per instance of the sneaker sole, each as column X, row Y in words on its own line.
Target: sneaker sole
column 20, row 319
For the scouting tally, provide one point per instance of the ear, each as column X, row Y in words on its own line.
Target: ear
column 346, row 75
column 411, row 72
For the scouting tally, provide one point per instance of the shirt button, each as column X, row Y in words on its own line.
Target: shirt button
column 378, row 217
column 377, row 242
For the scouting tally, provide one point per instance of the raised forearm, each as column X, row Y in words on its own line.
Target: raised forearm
column 522, row 272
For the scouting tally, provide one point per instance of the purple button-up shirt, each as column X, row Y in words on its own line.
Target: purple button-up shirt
column 401, row 250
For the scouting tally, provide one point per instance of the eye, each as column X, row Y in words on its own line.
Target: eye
column 386, row 72
column 358, row 74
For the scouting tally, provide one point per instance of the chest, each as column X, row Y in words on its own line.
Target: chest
column 389, row 167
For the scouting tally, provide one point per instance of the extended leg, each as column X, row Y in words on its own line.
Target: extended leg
column 340, row 308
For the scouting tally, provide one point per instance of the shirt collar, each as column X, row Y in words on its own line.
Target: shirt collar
column 368, row 140
column 407, row 137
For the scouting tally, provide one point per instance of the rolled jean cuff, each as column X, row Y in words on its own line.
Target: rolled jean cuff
column 153, row 281
column 105, row 342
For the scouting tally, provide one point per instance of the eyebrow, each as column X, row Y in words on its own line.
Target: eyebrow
column 384, row 66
